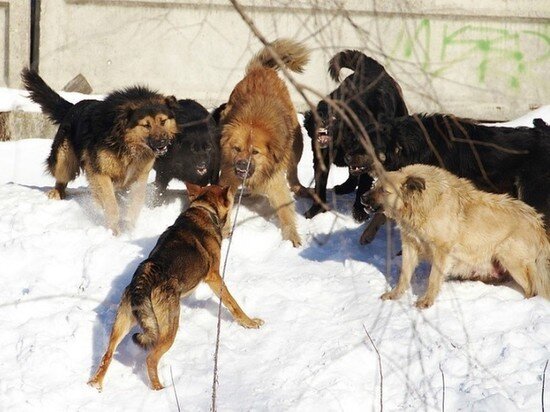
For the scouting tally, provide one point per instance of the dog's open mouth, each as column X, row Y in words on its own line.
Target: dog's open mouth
column 242, row 174
column 201, row 170
column 160, row 151
column 357, row 170
column 323, row 138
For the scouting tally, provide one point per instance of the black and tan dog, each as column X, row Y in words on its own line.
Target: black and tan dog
column 194, row 155
column 115, row 142
column 187, row 253
column 370, row 93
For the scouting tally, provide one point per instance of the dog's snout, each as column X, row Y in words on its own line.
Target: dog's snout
column 241, row 165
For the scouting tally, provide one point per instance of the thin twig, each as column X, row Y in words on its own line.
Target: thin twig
column 543, row 381
column 215, row 377
column 175, row 392
column 443, row 397
column 379, row 369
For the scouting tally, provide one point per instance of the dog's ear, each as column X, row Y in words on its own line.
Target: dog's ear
column 414, row 183
column 171, row 102
column 193, row 190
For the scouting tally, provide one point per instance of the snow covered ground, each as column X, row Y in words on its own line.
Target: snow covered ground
column 63, row 274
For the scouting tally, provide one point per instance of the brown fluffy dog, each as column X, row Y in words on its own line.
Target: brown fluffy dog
column 187, row 253
column 462, row 231
column 259, row 123
column 115, row 141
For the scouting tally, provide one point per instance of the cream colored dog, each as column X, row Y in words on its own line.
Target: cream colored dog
column 462, row 231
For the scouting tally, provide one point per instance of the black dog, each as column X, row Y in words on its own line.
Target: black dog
column 369, row 92
column 194, row 156
column 496, row 159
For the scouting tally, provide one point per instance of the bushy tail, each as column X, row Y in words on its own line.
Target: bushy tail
column 294, row 55
column 142, row 307
column 542, row 281
column 354, row 60
column 55, row 106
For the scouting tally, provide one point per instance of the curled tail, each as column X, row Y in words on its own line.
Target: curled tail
column 542, row 280
column 354, row 60
column 293, row 54
column 55, row 106
column 142, row 306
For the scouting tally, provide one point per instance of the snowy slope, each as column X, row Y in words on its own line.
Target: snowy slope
column 64, row 273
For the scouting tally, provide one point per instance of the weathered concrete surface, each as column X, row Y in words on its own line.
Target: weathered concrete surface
column 479, row 58
column 15, row 31
column 18, row 125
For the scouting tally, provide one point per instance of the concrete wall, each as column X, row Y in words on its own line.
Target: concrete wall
column 15, row 31
column 486, row 59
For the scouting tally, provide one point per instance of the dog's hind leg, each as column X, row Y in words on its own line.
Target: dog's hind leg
column 124, row 321
column 167, row 312
column 295, row 156
column 281, row 200
column 523, row 273
column 214, row 280
column 62, row 164
column 409, row 263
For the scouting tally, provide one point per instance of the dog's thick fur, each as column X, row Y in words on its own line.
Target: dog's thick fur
column 115, row 142
column 194, row 155
column 462, row 231
column 187, row 253
column 370, row 92
column 259, row 123
column 496, row 159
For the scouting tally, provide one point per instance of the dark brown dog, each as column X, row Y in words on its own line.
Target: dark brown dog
column 115, row 142
column 259, row 123
column 187, row 253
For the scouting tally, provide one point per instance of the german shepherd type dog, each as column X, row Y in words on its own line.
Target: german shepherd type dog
column 259, row 124
column 194, row 155
column 115, row 142
column 369, row 92
column 462, row 231
column 511, row 160
column 187, row 253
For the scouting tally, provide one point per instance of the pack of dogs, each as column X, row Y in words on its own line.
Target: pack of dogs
column 471, row 199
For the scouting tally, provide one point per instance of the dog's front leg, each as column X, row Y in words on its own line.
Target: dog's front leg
column 137, row 198
column 365, row 183
column 409, row 263
column 437, row 274
column 216, row 283
column 281, row 200
column 104, row 193
column 321, row 178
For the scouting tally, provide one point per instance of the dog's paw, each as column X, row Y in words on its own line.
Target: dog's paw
column 391, row 295
column 313, row 211
column 55, row 194
column 156, row 386
column 368, row 235
column 95, row 383
column 344, row 188
column 424, row 302
column 359, row 213
column 254, row 323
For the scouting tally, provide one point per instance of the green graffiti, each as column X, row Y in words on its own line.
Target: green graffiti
column 488, row 48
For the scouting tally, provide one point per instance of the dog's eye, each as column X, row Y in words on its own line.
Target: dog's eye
column 237, row 149
column 147, row 126
column 162, row 122
column 255, row 151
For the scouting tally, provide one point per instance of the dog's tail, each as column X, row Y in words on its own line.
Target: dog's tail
column 542, row 281
column 142, row 306
column 293, row 55
column 55, row 106
column 354, row 60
